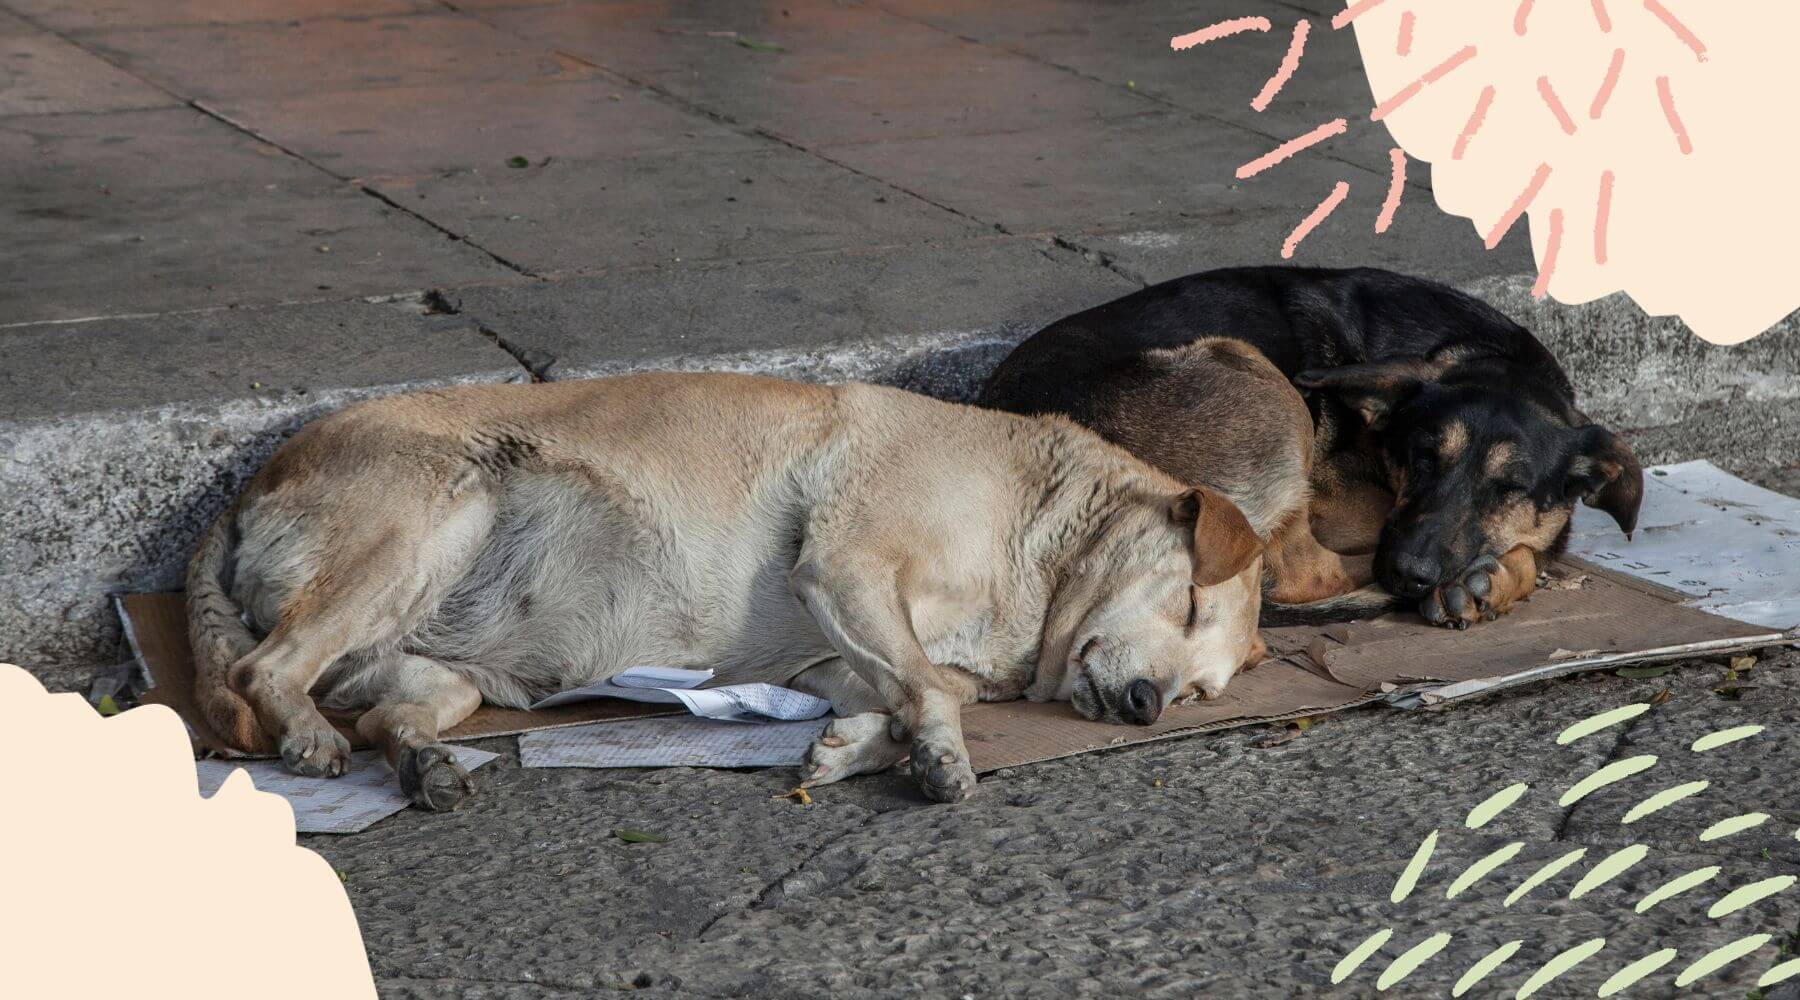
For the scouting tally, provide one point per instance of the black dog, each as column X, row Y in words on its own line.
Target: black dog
column 1446, row 438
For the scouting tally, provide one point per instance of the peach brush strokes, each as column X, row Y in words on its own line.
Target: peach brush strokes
column 1214, row 32
column 1551, row 246
column 1520, row 15
column 1688, row 38
column 1396, row 183
column 1548, row 93
column 1600, row 16
column 1289, row 63
column 1519, row 205
column 1602, row 211
column 1336, row 126
column 1353, row 12
column 1316, row 216
column 1668, row 105
column 1606, row 86
column 1412, row 89
column 1404, row 45
column 1473, row 125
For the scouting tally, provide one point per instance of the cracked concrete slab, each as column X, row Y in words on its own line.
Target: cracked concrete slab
column 1127, row 46
column 287, row 57
column 934, row 317
column 571, row 216
column 113, row 459
column 88, row 15
column 818, row 72
column 163, row 210
column 444, row 128
column 42, row 74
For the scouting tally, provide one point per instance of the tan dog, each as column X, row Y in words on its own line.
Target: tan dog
column 412, row 556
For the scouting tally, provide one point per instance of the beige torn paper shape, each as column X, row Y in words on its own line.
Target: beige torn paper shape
column 351, row 803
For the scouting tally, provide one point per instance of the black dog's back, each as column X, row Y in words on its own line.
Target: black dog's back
column 1299, row 318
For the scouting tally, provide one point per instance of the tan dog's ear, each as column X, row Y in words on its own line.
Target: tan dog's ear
column 1224, row 543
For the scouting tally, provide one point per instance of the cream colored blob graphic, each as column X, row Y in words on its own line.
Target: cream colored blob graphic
column 1657, row 133
column 122, row 881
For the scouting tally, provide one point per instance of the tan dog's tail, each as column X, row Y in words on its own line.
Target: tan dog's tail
column 220, row 638
column 1367, row 602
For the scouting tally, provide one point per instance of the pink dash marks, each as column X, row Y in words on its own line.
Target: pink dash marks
column 1606, row 86
column 1224, row 29
column 1396, row 183
column 1412, row 89
column 1548, row 93
column 1353, row 12
column 1602, row 212
column 1519, row 16
column 1404, row 46
column 1668, row 106
column 1600, row 16
column 1688, row 38
column 1519, row 205
column 1473, row 125
column 1336, row 126
column 1289, row 63
column 1316, row 216
column 1551, row 246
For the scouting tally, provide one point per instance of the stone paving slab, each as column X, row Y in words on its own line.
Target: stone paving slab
column 278, row 58
column 42, row 74
column 1127, row 45
column 569, row 216
column 452, row 128
column 87, row 15
column 946, row 312
column 163, row 210
column 818, row 72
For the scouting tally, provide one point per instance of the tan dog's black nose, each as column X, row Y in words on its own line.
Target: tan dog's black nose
column 1143, row 703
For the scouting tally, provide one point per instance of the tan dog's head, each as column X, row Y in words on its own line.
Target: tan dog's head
column 1164, row 603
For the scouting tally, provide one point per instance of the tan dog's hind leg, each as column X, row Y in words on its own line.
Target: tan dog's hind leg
column 859, row 740
column 1487, row 589
column 857, row 604
column 417, row 699
column 1347, row 516
column 1302, row 570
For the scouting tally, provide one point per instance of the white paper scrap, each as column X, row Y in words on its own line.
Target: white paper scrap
column 669, row 742
column 1734, row 547
column 675, row 686
column 349, row 803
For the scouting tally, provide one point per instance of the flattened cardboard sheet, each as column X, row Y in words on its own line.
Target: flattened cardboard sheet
column 1587, row 619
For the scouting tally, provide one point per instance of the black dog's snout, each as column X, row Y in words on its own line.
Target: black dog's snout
column 1143, row 703
column 1414, row 575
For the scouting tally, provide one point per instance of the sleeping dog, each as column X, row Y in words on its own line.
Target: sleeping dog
column 900, row 556
column 1446, row 440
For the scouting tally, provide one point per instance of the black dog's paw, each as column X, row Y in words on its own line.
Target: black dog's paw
column 1464, row 601
column 943, row 774
column 432, row 779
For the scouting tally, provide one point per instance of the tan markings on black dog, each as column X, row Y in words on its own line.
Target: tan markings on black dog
column 1499, row 456
column 1454, row 439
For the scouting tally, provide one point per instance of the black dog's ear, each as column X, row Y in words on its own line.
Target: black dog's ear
column 1606, row 475
column 1372, row 389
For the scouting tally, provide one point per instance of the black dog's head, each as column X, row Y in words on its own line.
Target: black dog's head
column 1481, row 459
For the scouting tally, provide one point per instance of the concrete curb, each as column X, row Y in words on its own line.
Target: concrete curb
column 125, row 511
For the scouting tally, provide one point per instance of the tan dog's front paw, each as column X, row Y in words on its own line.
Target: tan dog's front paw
column 433, row 779
column 317, row 751
column 944, row 775
column 857, row 744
